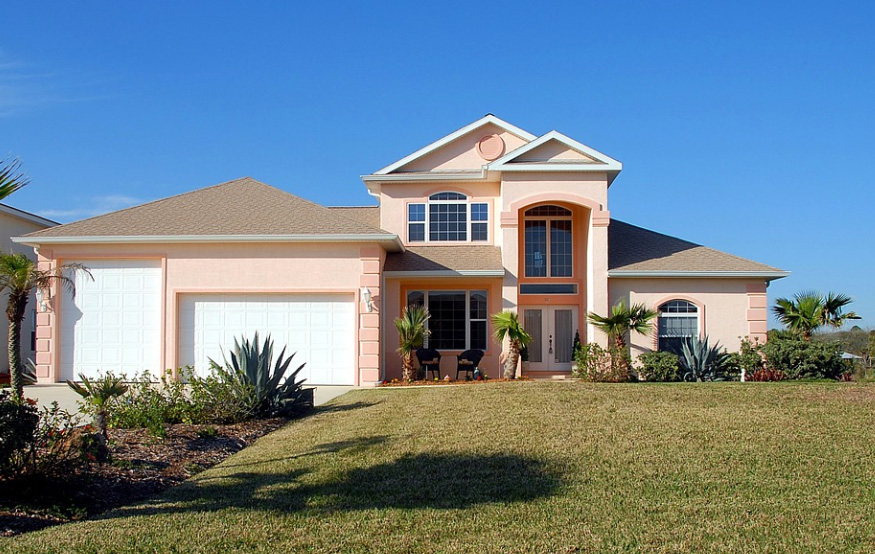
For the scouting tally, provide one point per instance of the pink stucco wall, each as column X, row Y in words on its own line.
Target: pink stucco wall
column 234, row 267
column 461, row 154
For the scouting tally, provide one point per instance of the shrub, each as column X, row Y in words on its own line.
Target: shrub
column 216, row 400
column 18, row 423
column 150, row 405
column 98, row 394
column 601, row 365
column 766, row 374
column 701, row 361
column 799, row 359
column 659, row 366
column 748, row 358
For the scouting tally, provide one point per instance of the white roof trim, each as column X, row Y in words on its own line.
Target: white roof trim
column 27, row 216
column 608, row 164
column 489, row 118
column 778, row 274
column 37, row 241
column 469, row 176
column 448, row 273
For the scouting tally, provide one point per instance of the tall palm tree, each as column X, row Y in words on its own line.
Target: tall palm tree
column 808, row 311
column 624, row 320
column 411, row 335
column 19, row 276
column 507, row 325
column 11, row 178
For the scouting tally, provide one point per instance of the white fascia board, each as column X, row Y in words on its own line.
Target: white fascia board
column 447, row 273
column 619, row 273
column 27, row 216
column 425, row 177
column 513, row 129
column 607, row 164
column 388, row 239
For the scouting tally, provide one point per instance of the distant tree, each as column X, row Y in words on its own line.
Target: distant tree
column 809, row 311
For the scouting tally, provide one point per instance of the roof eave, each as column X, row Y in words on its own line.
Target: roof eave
column 767, row 275
column 447, row 273
column 27, row 216
column 377, row 178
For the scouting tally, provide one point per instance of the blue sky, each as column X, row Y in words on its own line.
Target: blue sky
column 744, row 126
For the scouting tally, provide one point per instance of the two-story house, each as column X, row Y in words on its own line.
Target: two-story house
column 488, row 218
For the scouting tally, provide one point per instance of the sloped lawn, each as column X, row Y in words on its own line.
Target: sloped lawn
column 529, row 467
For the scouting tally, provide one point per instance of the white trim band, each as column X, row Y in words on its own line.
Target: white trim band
column 700, row 274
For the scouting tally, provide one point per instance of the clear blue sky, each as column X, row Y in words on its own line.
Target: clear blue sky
column 747, row 127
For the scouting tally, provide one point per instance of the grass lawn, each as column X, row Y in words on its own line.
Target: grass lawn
column 529, row 467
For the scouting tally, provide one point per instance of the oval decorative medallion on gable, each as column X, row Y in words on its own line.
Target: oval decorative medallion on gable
column 490, row 147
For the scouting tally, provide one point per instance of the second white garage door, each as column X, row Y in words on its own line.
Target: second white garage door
column 319, row 328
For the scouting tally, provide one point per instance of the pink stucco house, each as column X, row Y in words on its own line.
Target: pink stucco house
column 487, row 218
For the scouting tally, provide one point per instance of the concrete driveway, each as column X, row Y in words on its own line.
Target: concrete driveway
column 67, row 399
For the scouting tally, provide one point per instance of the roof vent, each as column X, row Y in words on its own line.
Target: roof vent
column 490, row 147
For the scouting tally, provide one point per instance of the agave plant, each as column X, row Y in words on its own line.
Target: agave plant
column 252, row 369
column 98, row 395
column 700, row 361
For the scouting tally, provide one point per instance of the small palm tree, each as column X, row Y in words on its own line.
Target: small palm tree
column 507, row 326
column 624, row 320
column 19, row 276
column 99, row 394
column 11, row 178
column 411, row 334
column 807, row 311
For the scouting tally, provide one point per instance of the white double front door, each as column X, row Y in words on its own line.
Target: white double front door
column 552, row 329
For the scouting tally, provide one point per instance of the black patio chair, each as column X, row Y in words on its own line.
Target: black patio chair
column 430, row 360
column 468, row 362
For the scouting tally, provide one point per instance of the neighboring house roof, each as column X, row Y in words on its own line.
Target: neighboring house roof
column 638, row 252
column 239, row 210
column 27, row 216
column 369, row 215
column 442, row 261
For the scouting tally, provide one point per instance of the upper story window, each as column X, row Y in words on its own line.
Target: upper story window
column 448, row 217
column 548, row 242
column 678, row 321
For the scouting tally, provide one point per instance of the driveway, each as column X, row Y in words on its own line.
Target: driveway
column 67, row 399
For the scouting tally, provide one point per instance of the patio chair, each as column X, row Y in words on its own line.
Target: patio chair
column 468, row 362
column 430, row 360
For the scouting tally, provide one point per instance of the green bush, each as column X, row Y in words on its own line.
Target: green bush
column 800, row 359
column 601, row 365
column 217, row 400
column 150, row 404
column 747, row 358
column 659, row 366
column 18, row 424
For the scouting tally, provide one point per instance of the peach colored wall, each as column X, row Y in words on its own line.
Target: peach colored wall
column 553, row 151
column 235, row 267
column 461, row 154
column 396, row 293
column 11, row 226
column 724, row 305
column 394, row 198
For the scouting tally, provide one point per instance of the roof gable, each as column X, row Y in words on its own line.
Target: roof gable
column 429, row 157
column 556, row 152
column 239, row 208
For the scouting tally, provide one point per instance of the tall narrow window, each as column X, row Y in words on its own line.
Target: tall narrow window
column 548, row 241
column 678, row 321
column 416, row 222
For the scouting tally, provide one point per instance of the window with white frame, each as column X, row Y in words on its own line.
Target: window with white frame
column 448, row 217
column 458, row 318
column 678, row 321
column 548, row 242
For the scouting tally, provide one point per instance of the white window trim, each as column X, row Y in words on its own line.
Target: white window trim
column 469, row 222
column 549, row 219
column 468, row 319
column 697, row 314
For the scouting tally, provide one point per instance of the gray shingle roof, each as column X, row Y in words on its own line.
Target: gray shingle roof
column 446, row 258
column 369, row 215
column 237, row 208
column 632, row 248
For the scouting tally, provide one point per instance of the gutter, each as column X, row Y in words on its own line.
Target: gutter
column 448, row 273
column 620, row 273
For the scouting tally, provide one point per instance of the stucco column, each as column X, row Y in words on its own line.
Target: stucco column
column 597, row 289
column 510, row 259
column 369, row 316
column 46, row 341
column 757, row 312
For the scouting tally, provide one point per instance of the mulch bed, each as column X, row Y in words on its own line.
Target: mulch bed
column 142, row 466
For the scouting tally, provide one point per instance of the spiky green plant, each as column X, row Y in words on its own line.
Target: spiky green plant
column 699, row 360
column 507, row 326
column 252, row 370
column 411, row 335
column 98, row 395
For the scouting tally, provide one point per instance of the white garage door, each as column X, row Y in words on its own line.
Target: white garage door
column 320, row 329
column 114, row 322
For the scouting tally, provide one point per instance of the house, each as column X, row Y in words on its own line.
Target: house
column 13, row 223
column 487, row 218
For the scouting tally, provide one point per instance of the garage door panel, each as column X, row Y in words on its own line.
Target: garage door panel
column 313, row 327
column 114, row 322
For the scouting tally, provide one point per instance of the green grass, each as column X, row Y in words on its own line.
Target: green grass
column 529, row 467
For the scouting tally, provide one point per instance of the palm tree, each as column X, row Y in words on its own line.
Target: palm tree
column 411, row 335
column 809, row 310
column 623, row 320
column 11, row 178
column 507, row 325
column 19, row 276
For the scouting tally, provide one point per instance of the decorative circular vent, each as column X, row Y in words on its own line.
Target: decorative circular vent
column 490, row 147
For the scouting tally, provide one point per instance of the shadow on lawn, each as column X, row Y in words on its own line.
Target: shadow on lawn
column 332, row 408
column 437, row 481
